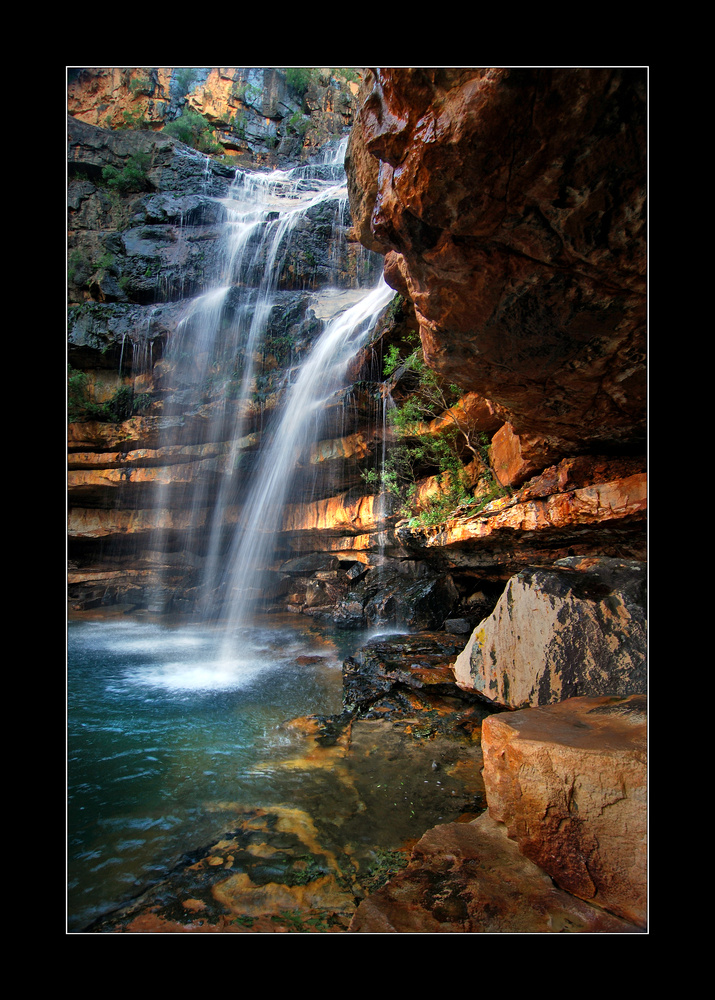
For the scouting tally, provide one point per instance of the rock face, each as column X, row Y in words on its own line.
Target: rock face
column 470, row 878
column 569, row 782
column 575, row 629
column 256, row 115
column 510, row 205
column 520, row 264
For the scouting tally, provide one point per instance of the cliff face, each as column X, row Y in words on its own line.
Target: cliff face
column 509, row 207
column 259, row 115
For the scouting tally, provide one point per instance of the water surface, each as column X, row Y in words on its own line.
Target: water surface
column 163, row 730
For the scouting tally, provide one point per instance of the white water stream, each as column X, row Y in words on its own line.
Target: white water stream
column 232, row 494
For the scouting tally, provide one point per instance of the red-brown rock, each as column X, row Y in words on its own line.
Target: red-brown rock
column 469, row 878
column 511, row 203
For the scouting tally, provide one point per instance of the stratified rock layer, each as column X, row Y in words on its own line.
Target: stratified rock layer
column 569, row 781
column 575, row 629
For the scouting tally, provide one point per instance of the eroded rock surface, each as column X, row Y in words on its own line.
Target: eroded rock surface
column 577, row 628
column 470, row 878
column 510, row 204
column 569, row 781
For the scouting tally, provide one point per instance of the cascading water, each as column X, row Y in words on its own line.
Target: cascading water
column 211, row 369
column 224, row 464
column 320, row 376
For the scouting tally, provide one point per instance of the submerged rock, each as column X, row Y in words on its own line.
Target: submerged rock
column 394, row 673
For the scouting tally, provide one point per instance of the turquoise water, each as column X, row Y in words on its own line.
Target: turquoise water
column 163, row 737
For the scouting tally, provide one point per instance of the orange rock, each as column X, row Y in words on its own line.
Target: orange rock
column 569, row 781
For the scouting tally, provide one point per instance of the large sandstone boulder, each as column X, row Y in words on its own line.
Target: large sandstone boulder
column 569, row 782
column 578, row 628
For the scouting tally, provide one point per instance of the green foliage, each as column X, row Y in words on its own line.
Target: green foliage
column 76, row 393
column 132, row 177
column 394, row 309
column 299, row 78
column 76, row 265
column 107, row 262
column 296, row 921
column 134, row 121
column 246, row 92
column 419, row 453
column 386, row 865
column 347, row 73
column 141, row 85
column 279, row 346
column 391, row 361
column 299, row 123
column 239, row 124
column 193, row 129
column 125, row 403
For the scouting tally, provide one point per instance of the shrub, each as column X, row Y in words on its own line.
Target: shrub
column 135, row 121
column 194, row 130
column 418, row 454
column 123, row 404
column 299, row 78
column 184, row 76
column 141, row 85
column 132, row 177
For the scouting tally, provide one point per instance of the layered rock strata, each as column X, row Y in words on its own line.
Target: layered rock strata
column 526, row 255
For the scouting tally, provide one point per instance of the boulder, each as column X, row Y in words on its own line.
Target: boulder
column 569, row 782
column 578, row 628
column 470, row 878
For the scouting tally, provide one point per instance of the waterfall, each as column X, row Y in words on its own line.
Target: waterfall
column 238, row 467
column 320, row 376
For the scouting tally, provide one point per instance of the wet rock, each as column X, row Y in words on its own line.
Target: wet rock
column 396, row 673
column 576, row 629
column 457, row 626
column 569, row 781
column 366, row 789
